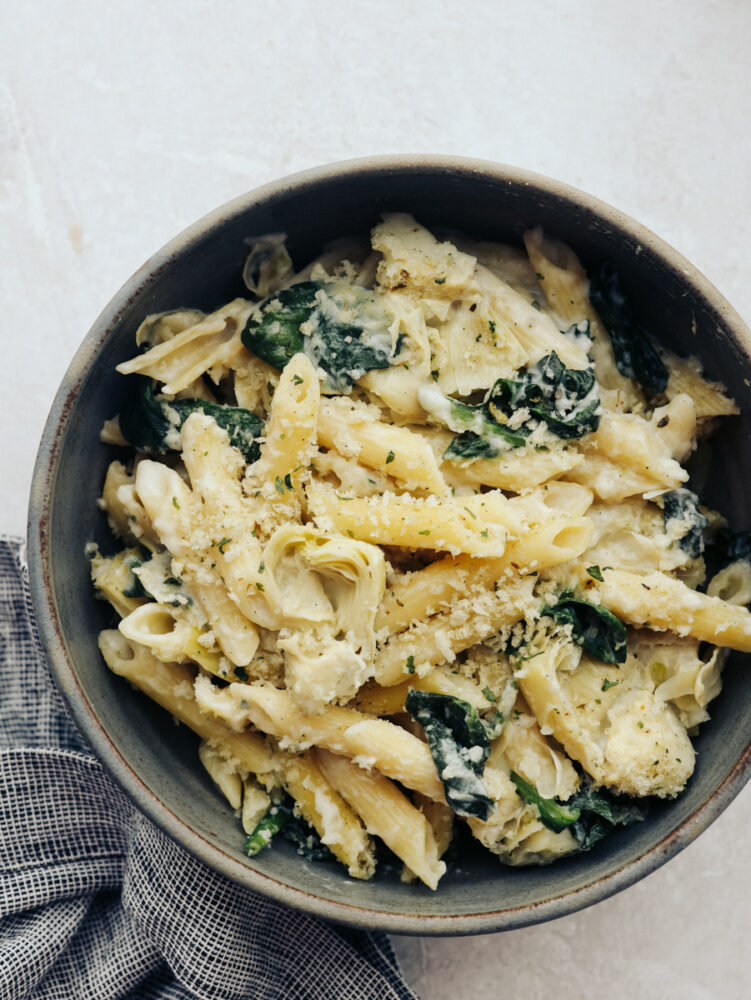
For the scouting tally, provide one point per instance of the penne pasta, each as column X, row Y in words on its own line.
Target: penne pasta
column 406, row 543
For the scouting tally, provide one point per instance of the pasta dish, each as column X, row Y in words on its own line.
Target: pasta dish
column 405, row 538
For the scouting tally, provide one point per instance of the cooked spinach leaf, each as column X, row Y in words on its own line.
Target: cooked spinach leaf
column 341, row 328
column 592, row 814
column 152, row 423
column 635, row 355
column 306, row 839
column 276, row 817
column 600, row 813
column 594, row 628
column 564, row 399
column 554, row 815
column 681, row 505
column 459, row 745
column 272, row 331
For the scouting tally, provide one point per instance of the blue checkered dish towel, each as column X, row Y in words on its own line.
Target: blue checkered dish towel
column 97, row 903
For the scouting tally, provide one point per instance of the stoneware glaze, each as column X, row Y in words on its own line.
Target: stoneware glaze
column 155, row 762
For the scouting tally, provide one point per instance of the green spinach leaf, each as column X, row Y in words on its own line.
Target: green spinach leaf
column 306, row 839
column 594, row 628
column 681, row 505
column 553, row 814
column 152, row 423
column 591, row 814
column 459, row 745
column 600, row 813
column 341, row 328
column 276, row 817
column 635, row 355
column 566, row 400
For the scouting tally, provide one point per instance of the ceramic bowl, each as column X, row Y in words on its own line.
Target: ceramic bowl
column 157, row 764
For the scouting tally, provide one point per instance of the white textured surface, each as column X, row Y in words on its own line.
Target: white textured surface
column 121, row 123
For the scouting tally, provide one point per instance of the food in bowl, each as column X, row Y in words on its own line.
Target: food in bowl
column 408, row 540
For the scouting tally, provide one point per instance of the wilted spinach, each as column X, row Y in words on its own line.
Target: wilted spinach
column 151, row 423
column 564, row 399
column 635, row 355
column 591, row 814
column 600, row 813
column 274, row 819
column 682, row 505
column 459, row 745
column 594, row 628
column 553, row 814
column 306, row 839
column 346, row 332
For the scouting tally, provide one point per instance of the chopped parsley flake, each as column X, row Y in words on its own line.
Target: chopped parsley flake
column 410, row 664
column 390, row 457
column 596, row 573
column 175, row 504
column 222, row 545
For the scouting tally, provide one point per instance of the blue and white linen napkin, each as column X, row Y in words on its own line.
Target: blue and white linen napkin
column 97, row 903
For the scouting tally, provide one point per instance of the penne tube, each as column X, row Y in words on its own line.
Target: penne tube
column 387, row 814
column 291, row 431
column 532, row 328
column 684, row 376
column 390, row 749
column 610, row 481
column 478, row 525
column 328, row 812
column 657, row 601
column 395, row 451
column 566, row 288
column 174, row 512
column 629, row 440
column 377, row 700
column 171, row 686
column 426, row 591
column 439, row 638
column 514, row 471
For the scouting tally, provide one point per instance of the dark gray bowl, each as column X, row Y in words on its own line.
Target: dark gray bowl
column 156, row 764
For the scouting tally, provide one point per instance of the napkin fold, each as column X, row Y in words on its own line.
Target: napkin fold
column 97, row 903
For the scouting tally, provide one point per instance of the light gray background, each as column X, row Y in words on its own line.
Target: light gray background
column 121, row 123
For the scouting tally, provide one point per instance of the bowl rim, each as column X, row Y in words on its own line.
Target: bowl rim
column 50, row 633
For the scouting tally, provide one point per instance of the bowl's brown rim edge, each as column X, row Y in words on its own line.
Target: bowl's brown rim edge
column 52, row 640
